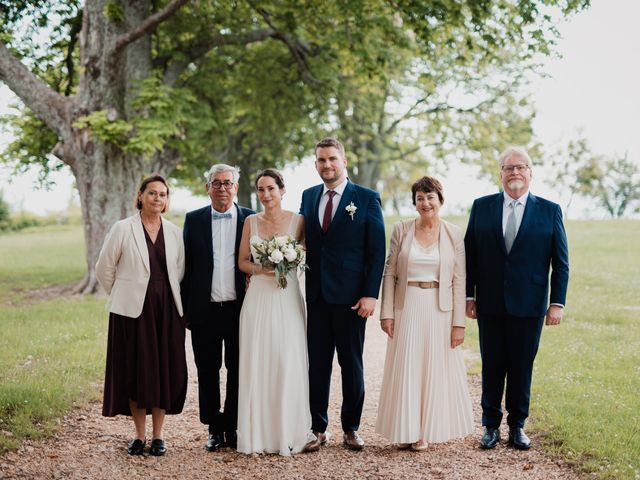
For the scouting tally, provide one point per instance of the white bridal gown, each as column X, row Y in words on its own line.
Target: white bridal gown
column 273, row 395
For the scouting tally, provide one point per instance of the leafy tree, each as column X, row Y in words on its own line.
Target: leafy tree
column 443, row 94
column 612, row 182
column 115, row 89
column 5, row 213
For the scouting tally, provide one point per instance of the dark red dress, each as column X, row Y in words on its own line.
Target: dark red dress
column 145, row 355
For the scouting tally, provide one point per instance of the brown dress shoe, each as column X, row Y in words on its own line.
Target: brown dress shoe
column 353, row 441
column 314, row 445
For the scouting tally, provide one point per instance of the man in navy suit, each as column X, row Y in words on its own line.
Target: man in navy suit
column 512, row 240
column 212, row 292
column 344, row 233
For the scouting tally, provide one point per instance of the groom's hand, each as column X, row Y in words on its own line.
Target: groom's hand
column 365, row 306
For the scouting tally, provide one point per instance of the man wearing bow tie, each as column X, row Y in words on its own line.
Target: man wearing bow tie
column 512, row 241
column 212, row 293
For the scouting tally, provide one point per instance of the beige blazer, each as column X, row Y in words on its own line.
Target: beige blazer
column 452, row 277
column 123, row 265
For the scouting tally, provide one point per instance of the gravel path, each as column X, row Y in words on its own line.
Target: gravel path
column 89, row 446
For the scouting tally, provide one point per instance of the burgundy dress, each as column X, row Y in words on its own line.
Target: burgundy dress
column 145, row 356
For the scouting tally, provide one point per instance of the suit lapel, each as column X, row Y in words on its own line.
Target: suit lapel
column 348, row 196
column 405, row 249
column 527, row 219
column 496, row 207
column 171, row 249
column 141, row 242
column 315, row 204
column 208, row 235
column 446, row 252
column 239, row 226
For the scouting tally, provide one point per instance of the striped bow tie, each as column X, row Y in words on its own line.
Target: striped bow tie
column 218, row 216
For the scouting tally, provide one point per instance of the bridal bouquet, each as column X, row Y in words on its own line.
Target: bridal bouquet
column 282, row 254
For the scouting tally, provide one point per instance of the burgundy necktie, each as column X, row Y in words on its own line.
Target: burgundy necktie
column 328, row 210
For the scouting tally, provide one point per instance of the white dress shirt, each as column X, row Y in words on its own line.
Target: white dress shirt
column 336, row 199
column 223, row 233
column 519, row 210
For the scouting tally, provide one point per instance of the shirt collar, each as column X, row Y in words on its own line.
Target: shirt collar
column 522, row 200
column 231, row 210
column 339, row 189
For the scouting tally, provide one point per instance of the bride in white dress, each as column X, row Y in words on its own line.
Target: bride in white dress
column 273, row 395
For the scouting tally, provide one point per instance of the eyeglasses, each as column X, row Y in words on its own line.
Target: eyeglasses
column 514, row 168
column 217, row 185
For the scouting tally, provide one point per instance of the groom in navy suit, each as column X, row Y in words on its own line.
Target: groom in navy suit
column 512, row 240
column 344, row 233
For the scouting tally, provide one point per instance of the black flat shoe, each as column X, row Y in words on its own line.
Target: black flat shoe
column 490, row 438
column 136, row 447
column 214, row 442
column 519, row 439
column 158, row 448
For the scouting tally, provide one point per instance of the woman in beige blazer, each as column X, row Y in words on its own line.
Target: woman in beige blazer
column 140, row 266
column 424, row 395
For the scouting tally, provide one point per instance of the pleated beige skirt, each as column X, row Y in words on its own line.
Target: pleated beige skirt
column 424, row 394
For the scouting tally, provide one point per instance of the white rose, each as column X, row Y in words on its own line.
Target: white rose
column 276, row 256
column 290, row 254
column 282, row 240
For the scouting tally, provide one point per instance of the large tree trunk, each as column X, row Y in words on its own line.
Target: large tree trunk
column 106, row 177
column 107, row 182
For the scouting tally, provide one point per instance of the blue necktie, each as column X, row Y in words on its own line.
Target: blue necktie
column 219, row 216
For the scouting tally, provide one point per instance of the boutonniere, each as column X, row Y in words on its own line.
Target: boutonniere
column 351, row 209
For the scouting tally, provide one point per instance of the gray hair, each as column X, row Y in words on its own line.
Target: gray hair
column 220, row 168
column 514, row 151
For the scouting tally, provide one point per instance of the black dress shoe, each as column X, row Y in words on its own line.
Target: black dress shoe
column 158, row 448
column 136, row 447
column 519, row 439
column 231, row 439
column 214, row 442
column 490, row 438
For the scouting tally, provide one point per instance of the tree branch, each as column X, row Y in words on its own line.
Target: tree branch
column 200, row 49
column 149, row 24
column 46, row 104
column 299, row 51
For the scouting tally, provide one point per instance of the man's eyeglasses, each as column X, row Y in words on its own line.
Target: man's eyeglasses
column 514, row 168
column 217, row 185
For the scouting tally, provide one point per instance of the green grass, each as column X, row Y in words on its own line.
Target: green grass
column 587, row 378
column 51, row 352
column 585, row 401
column 38, row 257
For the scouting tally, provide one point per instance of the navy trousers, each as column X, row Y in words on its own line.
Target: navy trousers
column 508, row 347
column 208, row 338
column 332, row 328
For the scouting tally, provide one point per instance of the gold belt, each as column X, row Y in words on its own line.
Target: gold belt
column 423, row 284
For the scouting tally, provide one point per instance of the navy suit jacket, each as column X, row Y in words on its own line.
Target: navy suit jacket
column 518, row 281
column 346, row 263
column 195, row 288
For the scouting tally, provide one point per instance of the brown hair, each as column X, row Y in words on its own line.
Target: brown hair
column 330, row 142
column 427, row 185
column 273, row 173
column 143, row 186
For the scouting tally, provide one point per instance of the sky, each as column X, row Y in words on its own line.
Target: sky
column 593, row 88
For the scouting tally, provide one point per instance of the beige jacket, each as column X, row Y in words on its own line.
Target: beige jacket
column 451, row 294
column 123, row 265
